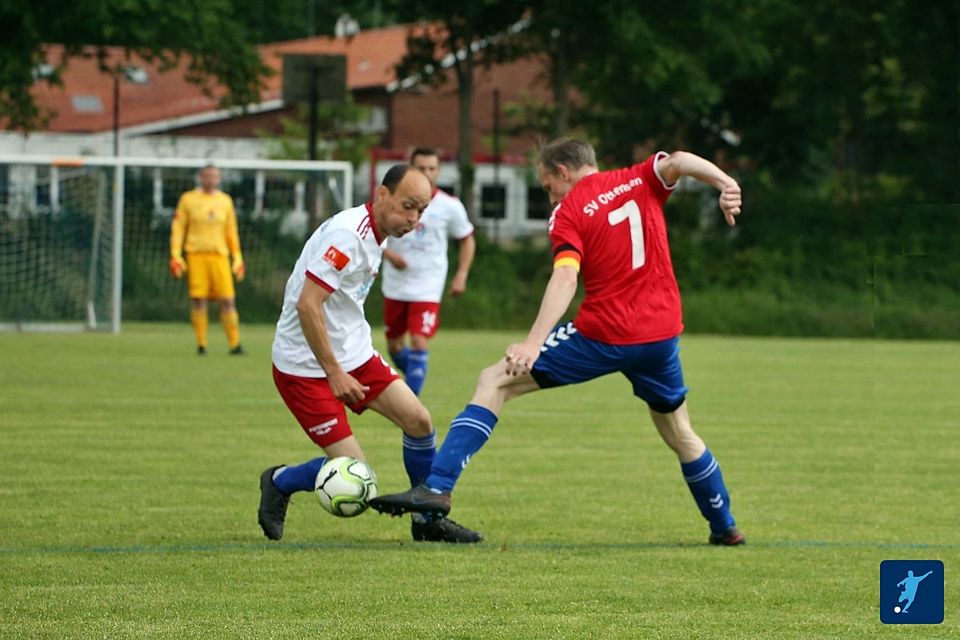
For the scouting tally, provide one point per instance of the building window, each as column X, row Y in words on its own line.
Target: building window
column 538, row 204
column 4, row 184
column 448, row 188
column 493, row 202
column 41, row 189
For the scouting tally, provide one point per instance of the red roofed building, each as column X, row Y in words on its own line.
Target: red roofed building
column 162, row 114
column 165, row 103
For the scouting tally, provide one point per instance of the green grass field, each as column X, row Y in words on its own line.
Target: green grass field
column 129, row 488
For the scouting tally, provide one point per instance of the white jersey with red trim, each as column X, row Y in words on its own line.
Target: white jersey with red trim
column 342, row 256
column 425, row 250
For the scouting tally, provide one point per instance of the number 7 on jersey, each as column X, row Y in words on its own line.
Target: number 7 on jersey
column 631, row 212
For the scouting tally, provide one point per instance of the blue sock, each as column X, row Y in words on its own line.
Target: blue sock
column 468, row 432
column 302, row 477
column 706, row 484
column 417, row 369
column 401, row 359
column 418, row 455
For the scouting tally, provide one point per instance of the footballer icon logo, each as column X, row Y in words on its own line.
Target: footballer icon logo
column 336, row 258
column 911, row 592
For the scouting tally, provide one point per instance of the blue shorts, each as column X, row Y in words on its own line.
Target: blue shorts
column 652, row 368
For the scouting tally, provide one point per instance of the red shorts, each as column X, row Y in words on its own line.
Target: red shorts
column 421, row 318
column 313, row 404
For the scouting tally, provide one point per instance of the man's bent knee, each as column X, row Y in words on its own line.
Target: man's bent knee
column 418, row 424
column 678, row 434
column 491, row 379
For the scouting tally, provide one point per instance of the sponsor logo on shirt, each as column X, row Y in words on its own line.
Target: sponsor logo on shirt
column 361, row 294
column 323, row 428
column 336, row 258
column 608, row 197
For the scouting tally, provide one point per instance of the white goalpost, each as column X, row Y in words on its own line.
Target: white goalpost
column 77, row 235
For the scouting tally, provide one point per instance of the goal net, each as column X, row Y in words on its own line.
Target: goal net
column 57, row 234
column 85, row 243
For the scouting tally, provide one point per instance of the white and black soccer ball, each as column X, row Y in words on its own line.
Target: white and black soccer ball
column 344, row 485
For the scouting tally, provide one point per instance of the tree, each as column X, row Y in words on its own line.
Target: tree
column 570, row 36
column 654, row 75
column 276, row 20
column 462, row 37
column 861, row 102
column 341, row 137
column 207, row 34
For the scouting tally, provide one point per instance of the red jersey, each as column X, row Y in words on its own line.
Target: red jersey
column 611, row 224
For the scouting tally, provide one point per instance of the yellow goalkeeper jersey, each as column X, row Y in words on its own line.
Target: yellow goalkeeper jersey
column 204, row 223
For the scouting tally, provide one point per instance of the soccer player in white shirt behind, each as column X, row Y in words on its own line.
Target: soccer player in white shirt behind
column 323, row 355
column 415, row 271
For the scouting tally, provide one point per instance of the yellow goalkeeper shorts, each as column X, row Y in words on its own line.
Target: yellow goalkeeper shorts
column 209, row 276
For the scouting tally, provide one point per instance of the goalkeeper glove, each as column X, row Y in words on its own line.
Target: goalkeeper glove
column 177, row 266
column 239, row 268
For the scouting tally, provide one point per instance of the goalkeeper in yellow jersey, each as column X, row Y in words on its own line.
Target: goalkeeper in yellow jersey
column 205, row 229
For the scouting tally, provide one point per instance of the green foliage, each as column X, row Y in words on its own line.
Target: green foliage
column 276, row 20
column 339, row 137
column 839, row 99
column 208, row 35
column 440, row 35
column 441, row 28
column 794, row 266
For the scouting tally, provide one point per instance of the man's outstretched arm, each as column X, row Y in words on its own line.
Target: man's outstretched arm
column 684, row 163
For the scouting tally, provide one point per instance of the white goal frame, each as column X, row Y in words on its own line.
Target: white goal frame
column 120, row 164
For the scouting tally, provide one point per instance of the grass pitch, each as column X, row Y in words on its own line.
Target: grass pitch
column 129, row 488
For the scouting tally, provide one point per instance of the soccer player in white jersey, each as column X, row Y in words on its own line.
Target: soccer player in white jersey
column 323, row 355
column 415, row 271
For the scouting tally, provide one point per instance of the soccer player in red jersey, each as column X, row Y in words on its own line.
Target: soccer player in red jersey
column 609, row 227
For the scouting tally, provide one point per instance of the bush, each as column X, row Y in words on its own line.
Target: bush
column 795, row 265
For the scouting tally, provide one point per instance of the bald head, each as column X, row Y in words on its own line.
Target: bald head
column 400, row 200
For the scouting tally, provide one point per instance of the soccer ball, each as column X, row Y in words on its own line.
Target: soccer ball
column 344, row 485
